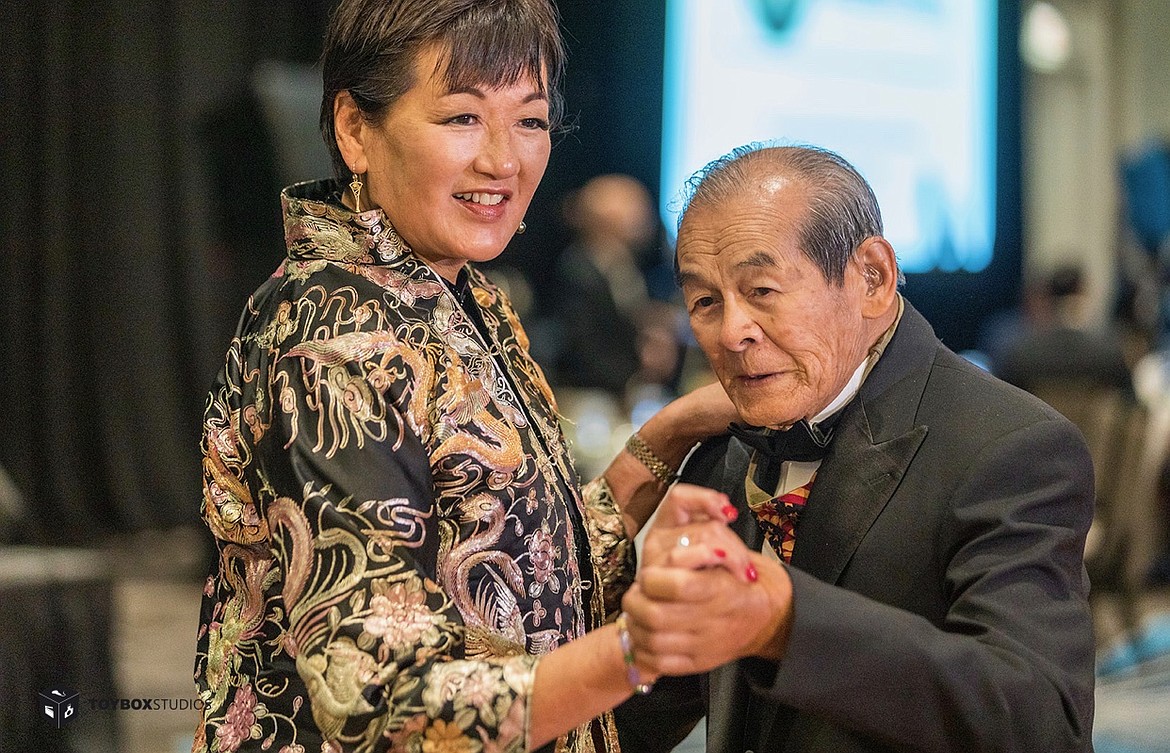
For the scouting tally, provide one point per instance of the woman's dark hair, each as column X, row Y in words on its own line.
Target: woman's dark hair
column 371, row 47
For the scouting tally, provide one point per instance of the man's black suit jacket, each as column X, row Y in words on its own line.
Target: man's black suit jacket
column 938, row 583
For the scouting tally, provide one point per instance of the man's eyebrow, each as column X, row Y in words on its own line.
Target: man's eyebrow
column 683, row 279
column 757, row 260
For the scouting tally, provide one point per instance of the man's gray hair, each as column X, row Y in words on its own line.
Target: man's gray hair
column 842, row 209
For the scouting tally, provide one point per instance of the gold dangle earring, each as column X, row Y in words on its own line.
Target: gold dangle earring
column 356, row 186
column 520, row 230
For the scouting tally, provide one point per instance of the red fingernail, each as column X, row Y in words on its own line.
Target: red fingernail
column 751, row 573
column 720, row 553
column 730, row 512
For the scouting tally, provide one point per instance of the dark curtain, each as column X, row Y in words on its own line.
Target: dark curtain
column 119, row 286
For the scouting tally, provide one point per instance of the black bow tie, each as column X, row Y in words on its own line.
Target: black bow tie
column 800, row 442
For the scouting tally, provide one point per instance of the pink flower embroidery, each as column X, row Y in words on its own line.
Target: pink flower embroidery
column 400, row 616
column 237, row 726
column 542, row 554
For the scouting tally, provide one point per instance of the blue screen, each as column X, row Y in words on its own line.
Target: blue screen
column 903, row 89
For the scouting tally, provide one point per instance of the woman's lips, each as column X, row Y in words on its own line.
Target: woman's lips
column 488, row 206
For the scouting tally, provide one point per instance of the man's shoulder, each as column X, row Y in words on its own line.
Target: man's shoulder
column 964, row 406
column 962, row 382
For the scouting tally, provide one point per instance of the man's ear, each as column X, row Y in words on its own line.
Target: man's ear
column 879, row 273
column 347, row 123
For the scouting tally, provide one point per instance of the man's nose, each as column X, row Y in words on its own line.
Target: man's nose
column 738, row 328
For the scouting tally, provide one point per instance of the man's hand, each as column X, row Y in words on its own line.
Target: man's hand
column 684, row 621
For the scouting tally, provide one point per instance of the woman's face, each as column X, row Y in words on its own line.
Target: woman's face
column 454, row 171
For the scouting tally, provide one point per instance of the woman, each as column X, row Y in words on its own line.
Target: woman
column 406, row 561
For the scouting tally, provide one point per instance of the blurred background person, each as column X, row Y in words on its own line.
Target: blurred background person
column 603, row 292
column 1058, row 340
column 615, row 348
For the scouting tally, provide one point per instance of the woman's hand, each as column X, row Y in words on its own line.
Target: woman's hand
column 699, row 414
column 690, row 532
column 702, row 598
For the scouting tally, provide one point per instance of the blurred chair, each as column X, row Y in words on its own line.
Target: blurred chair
column 1127, row 463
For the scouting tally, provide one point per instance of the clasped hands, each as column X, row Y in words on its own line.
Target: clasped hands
column 701, row 597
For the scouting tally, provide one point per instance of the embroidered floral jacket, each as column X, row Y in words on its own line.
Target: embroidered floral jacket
column 400, row 530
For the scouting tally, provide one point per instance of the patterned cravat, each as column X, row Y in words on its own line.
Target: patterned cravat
column 777, row 517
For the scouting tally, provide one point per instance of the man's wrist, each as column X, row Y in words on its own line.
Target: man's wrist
column 772, row 641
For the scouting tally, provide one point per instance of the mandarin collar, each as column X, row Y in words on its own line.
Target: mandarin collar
column 318, row 226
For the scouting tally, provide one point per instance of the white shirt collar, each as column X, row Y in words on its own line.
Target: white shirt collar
column 846, row 394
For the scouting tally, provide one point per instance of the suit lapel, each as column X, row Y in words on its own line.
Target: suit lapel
column 855, row 482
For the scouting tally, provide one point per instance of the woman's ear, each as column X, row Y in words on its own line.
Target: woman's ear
column 879, row 271
column 347, row 123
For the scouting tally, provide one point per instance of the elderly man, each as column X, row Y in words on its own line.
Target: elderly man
column 921, row 586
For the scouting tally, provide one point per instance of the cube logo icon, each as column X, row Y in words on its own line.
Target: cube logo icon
column 59, row 705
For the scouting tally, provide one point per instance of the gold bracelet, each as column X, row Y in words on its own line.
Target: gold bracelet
column 639, row 449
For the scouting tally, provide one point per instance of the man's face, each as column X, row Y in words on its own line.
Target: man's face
column 781, row 339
